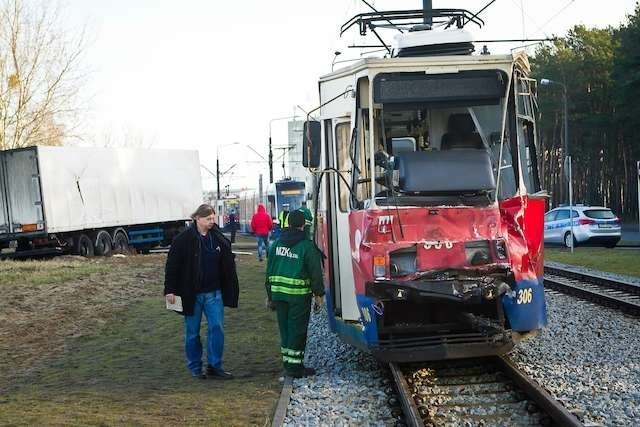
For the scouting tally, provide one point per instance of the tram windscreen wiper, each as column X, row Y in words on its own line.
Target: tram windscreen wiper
column 480, row 195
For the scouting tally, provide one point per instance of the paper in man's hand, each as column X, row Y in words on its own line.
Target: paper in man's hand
column 177, row 304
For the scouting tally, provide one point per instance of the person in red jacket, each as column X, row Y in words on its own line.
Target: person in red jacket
column 261, row 224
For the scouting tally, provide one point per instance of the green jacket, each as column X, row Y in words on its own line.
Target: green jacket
column 308, row 220
column 294, row 268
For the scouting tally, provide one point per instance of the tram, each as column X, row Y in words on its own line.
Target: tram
column 428, row 200
column 286, row 191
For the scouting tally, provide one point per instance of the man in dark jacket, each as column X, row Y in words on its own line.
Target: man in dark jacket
column 233, row 224
column 294, row 273
column 201, row 270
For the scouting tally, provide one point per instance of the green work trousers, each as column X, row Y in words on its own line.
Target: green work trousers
column 293, row 320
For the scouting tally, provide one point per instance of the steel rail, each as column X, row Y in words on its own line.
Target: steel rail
column 560, row 415
column 412, row 416
column 607, row 292
column 549, row 406
column 594, row 278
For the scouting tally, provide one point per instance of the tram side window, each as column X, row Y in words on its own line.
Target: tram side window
column 508, row 186
column 527, row 156
column 360, row 181
column 343, row 140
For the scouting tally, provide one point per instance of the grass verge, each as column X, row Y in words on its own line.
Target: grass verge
column 128, row 368
column 615, row 261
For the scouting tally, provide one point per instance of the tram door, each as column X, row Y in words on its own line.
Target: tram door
column 338, row 212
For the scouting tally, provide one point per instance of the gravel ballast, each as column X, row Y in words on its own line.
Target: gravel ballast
column 588, row 357
column 349, row 387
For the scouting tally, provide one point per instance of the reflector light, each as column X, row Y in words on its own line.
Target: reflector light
column 583, row 221
column 400, row 294
column 501, row 249
column 379, row 266
column 29, row 227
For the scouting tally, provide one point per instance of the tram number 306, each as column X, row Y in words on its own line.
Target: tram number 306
column 525, row 296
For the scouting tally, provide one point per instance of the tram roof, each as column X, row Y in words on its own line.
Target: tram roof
column 464, row 61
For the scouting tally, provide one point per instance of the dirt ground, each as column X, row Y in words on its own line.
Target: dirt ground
column 43, row 303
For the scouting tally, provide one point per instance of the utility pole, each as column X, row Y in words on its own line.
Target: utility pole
column 218, row 173
column 565, row 149
column 271, row 146
column 260, row 192
column 568, row 158
column 270, row 158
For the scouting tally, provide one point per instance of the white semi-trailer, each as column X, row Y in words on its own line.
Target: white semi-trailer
column 94, row 200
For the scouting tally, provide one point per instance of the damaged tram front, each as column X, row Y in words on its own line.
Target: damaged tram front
column 429, row 206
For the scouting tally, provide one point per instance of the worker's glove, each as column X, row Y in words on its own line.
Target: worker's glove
column 318, row 303
column 269, row 304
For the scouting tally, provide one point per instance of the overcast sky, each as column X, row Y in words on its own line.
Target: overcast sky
column 196, row 74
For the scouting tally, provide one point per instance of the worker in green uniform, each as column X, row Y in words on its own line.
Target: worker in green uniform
column 294, row 274
column 283, row 216
column 308, row 218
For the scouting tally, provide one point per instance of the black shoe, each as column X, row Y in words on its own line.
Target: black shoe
column 304, row 372
column 199, row 376
column 217, row 373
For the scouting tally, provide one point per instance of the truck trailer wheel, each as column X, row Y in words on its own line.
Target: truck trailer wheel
column 121, row 242
column 102, row 243
column 83, row 246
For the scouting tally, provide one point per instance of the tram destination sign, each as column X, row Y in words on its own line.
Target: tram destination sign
column 474, row 87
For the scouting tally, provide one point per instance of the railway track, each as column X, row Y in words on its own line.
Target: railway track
column 475, row 392
column 618, row 294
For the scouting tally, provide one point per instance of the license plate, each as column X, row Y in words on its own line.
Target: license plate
column 605, row 226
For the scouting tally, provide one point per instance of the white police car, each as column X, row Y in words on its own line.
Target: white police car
column 591, row 225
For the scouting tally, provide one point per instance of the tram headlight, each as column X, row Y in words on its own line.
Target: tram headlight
column 477, row 252
column 501, row 249
column 379, row 266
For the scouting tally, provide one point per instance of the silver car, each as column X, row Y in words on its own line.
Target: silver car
column 591, row 225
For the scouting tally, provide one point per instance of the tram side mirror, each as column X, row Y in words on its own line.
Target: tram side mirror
column 311, row 144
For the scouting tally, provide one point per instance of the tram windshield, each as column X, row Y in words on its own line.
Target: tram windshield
column 460, row 146
column 436, row 155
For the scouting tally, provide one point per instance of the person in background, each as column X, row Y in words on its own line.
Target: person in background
column 201, row 269
column 261, row 224
column 283, row 216
column 294, row 274
column 308, row 218
column 233, row 224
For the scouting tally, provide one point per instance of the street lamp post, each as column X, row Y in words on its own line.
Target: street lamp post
column 565, row 148
column 335, row 56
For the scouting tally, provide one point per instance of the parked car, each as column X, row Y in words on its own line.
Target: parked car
column 591, row 225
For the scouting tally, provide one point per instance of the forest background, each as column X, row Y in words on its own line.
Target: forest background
column 600, row 69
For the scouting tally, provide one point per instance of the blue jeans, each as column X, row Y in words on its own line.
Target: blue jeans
column 263, row 240
column 211, row 304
